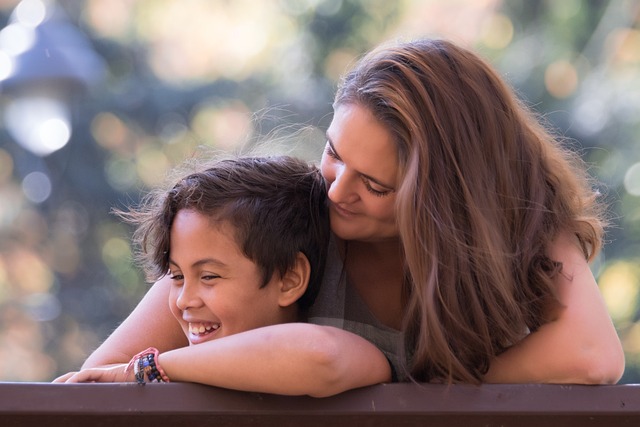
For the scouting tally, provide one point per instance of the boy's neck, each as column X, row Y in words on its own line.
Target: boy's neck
column 292, row 314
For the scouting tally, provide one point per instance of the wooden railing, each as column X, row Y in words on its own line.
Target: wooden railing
column 158, row 405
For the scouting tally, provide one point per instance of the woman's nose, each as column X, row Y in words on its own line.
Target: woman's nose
column 342, row 188
column 188, row 297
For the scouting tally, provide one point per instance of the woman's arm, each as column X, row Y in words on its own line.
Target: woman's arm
column 579, row 345
column 151, row 324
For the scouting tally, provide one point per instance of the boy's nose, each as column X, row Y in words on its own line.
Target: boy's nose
column 188, row 297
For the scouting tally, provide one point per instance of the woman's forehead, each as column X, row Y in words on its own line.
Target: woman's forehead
column 363, row 142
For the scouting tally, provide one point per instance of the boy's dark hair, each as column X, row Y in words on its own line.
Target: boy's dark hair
column 277, row 205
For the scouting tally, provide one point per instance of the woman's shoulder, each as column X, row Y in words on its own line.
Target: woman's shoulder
column 567, row 248
column 575, row 276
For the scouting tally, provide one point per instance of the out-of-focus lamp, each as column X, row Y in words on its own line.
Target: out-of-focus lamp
column 45, row 63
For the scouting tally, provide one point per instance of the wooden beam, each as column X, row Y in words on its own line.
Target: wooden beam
column 159, row 405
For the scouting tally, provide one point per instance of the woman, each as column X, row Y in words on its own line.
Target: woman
column 462, row 236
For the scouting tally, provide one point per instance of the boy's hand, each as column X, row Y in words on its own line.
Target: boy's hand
column 107, row 374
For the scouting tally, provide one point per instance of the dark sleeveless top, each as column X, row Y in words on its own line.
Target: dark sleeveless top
column 338, row 304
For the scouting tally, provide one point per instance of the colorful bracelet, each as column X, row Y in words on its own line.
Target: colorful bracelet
column 145, row 365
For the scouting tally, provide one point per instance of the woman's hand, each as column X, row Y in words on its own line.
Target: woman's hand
column 107, row 374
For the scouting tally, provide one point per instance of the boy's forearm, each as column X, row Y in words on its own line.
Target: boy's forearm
column 290, row 359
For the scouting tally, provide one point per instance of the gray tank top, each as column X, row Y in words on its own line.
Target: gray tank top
column 338, row 304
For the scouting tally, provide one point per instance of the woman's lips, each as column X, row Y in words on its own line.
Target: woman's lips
column 342, row 211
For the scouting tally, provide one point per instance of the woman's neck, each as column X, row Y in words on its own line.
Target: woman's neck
column 375, row 269
column 390, row 250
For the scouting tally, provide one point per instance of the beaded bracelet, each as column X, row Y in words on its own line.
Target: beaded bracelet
column 145, row 364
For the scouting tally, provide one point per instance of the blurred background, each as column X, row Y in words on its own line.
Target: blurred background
column 99, row 99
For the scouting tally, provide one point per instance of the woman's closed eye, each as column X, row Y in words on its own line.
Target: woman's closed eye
column 330, row 152
column 371, row 188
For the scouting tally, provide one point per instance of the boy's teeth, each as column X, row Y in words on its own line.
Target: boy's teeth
column 201, row 328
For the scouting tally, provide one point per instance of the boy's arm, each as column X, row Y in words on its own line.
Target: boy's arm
column 290, row 359
column 150, row 324
column 580, row 345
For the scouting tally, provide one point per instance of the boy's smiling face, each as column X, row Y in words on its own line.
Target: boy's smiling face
column 216, row 288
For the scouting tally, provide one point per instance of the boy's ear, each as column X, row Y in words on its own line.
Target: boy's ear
column 295, row 281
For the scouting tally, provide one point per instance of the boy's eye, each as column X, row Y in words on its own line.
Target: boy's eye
column 176, row 276
column 209, row 277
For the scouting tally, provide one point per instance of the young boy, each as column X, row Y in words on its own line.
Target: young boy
column 244, row 242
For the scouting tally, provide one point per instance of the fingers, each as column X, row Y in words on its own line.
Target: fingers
column 107, row 374
column 64, row 378
column 83, row 376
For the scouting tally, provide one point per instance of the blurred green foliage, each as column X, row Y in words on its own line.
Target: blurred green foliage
column 182, row 74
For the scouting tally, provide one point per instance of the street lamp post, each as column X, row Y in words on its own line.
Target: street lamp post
column 45, row 62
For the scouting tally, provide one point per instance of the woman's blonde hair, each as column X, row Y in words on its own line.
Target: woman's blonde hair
column 485, row 189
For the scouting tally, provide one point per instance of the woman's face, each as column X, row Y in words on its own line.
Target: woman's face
column 360, row 166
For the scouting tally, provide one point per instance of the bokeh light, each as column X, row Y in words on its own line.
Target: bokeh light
column 152, row 166
column 31, row 13
column 36, row 187
column 632, row 180
column 224, row 126
column 41, row 125
column 112, row 133
column 16, row 38
column 497, row 31
column 620, row 284
column 561, row 79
